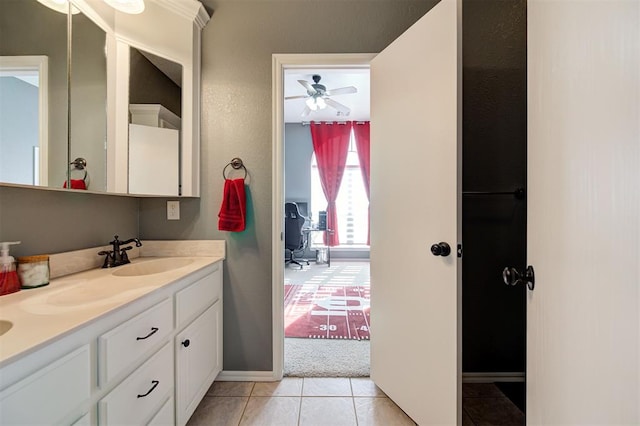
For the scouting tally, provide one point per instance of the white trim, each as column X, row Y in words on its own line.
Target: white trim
column 245, row 376
column 189, row 9
column 281, row 62
column 39, row 63
column 490, row 377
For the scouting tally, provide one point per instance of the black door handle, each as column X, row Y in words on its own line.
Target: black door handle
column 511, row 276
column 441, row 249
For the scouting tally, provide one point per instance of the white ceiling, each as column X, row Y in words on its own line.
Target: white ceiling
column 332, row 79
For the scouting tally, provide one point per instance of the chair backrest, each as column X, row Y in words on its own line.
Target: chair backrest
column 293, row 221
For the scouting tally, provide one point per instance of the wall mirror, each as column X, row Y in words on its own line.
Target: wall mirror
column 89, row 118
column 33, row 93
column 155, row 110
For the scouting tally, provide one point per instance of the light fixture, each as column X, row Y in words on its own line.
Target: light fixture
column 315, row 103
column 132, row 7
column 61, row 6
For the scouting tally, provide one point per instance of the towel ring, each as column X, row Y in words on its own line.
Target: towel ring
column 236, row 164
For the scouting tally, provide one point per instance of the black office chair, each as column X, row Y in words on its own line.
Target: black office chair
column 294, row 239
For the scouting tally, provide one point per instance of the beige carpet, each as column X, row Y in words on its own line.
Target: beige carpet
column 326, row 358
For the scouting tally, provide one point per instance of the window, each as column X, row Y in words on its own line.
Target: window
column 352, row 203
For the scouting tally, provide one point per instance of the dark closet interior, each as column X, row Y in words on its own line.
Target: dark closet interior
column 494, row 160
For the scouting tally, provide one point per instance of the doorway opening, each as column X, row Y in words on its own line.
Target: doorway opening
column 326, row 222
column 24, row 120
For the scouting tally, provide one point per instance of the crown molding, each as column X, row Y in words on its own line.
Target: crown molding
column 192, row 10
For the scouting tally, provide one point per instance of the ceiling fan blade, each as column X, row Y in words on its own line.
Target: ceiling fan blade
column 342, row 91
column 296, row 97
column 308, row 86
column 306, row 111
column 337, row 105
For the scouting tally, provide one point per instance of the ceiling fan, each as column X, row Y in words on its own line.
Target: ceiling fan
column 318, row 97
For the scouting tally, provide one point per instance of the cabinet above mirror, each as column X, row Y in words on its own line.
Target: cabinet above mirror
column 90, row 118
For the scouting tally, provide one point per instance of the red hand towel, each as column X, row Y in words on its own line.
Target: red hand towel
column 234, row 205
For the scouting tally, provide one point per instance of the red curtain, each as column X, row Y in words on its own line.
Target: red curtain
column 331, row 144
column 361, row 133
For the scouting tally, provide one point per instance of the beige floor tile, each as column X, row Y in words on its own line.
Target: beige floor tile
column 230, row 389
column 271, row 411
column 380, row 412
column 326, row 386
column 364, row 386
column 289, row 386
column 219, row 411
column 327, row 411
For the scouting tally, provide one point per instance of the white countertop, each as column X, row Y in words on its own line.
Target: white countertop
column 43, row 314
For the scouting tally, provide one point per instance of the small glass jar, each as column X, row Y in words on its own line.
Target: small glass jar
column 33, row 271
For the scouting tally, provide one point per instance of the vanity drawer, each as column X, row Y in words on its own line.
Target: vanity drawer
column 193, row 300
column 139, row 396
column 130, row 341
column 165, row 415
column 49, row 395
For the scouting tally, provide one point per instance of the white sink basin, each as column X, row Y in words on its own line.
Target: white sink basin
column 79, row 296
column 5, row 326
column 151, row 267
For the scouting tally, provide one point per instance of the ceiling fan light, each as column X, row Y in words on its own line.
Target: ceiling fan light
column 321, row 103
column 311, row 103
column 132, row 7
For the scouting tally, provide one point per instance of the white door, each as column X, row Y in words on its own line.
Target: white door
column 583, row 212
column 415, row 187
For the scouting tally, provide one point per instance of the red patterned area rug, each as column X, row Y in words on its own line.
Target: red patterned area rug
column 326, row 311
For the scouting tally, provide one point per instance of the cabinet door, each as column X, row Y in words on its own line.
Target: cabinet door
column 198, row 360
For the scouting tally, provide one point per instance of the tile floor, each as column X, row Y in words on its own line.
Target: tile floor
column 309, row 401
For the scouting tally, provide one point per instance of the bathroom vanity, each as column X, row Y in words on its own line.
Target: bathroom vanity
column 136, row 344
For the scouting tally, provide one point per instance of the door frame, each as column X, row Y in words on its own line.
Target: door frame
column 281, row 63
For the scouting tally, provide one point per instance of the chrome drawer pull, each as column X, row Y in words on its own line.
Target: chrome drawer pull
column 153, row 331
column 155, row 383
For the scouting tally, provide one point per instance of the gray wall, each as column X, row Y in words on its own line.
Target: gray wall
column 18, row 130
column 236, row 122
column 298, row 149
column 54, row 221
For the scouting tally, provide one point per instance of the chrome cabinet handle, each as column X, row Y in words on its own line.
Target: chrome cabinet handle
column 155, row 383
column 153, row 331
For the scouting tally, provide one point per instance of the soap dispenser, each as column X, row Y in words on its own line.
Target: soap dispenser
column 9, row 281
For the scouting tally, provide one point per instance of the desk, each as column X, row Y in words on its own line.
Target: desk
column 316, row 241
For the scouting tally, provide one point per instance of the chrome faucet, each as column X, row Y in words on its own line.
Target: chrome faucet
column 118, row 255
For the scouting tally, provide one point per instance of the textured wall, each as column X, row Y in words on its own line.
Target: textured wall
column 236, row 121
column 55, row 221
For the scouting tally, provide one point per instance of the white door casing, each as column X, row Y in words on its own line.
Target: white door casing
column 583, row 212
column 415, row 202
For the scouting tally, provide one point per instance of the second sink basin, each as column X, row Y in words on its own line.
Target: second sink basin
column 151, row 267
column 5, row 326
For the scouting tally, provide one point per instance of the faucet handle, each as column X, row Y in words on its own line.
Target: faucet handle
column 108, row 259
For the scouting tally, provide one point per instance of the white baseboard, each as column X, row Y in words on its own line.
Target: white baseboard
column 246, row 376
column 490, row 377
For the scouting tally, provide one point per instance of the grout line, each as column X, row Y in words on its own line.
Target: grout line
column 353, row 402
column 244, row 410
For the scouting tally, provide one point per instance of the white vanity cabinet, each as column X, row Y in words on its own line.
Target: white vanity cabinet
column 47, row 396
column 147, row 362
column 198, row 347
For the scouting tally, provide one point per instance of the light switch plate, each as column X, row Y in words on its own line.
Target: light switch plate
column 173, row 210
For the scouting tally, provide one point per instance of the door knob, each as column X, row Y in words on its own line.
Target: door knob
column 511, row 276
column 441, row 249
